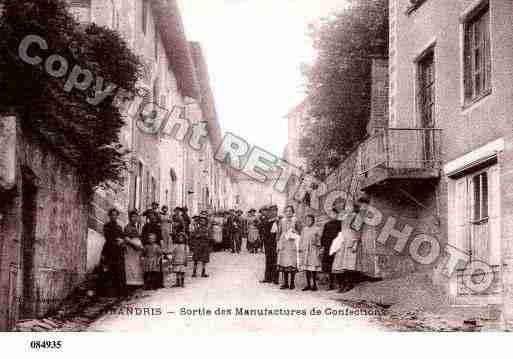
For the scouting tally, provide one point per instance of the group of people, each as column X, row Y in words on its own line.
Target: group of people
column 156, row 242
column 151, row 244
column 232, row 228
column 293, row 246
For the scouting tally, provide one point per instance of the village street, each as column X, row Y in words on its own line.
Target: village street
column 233, row 283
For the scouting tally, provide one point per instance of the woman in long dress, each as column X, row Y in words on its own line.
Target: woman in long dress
column 133, row 252
column 347, row 260
column 310, row 252
column 112, row 257
column 288, row 234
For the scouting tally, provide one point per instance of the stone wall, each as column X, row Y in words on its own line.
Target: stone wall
column 43, row 233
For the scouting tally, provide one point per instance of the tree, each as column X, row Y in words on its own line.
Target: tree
column 83, row 134
column 339, row 81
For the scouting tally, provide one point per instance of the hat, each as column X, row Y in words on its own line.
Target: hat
column 252, row 210
column 274, row 206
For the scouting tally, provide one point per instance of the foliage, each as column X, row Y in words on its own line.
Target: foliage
column 339, row 80
column 83, row 134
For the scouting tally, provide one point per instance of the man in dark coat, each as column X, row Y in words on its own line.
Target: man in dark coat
column 236, row 232
column 201, row 246
column 270, row 232
column 329, row 233
column 262, row 216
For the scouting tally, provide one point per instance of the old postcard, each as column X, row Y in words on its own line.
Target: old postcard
column 255, row 166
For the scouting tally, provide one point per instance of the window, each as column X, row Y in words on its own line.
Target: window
column 477, row 55
column 426, row 90
column 144, row 16
column 480, row 205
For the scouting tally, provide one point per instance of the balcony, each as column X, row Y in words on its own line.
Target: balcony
column 406, row 155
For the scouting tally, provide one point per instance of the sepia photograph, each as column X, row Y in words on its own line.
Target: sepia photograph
column 268, row 167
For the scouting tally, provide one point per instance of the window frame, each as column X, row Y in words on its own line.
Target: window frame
column 483, row 197
column 420, row 62
column 472, row 49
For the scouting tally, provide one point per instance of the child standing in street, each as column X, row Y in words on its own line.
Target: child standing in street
column 310, row 252
column 152, row 256
column 179, row 259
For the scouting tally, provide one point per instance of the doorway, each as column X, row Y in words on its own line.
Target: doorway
column 29, row 211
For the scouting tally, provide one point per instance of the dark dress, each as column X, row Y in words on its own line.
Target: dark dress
column 112, row 259
column 329, row 233
column 200, row 245
column 270, row 246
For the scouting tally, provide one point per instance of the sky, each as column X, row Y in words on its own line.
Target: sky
column 254, row 49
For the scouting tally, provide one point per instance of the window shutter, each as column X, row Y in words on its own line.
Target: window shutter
column 467, row 62
column 487, row 52
column 418, row 95
column 458, row 230
column 494, row 213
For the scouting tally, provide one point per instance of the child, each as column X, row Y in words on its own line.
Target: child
column 310, row 252
column 152, row 255
column 289, row 230
column 179, row 259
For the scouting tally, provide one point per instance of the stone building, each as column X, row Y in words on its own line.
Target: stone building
column 294, row 122
column 43, row 225
column 436, row 162
column 165, row 168
column 259, row 194
column 215, row 183
column 159, row 164
column 450, row 76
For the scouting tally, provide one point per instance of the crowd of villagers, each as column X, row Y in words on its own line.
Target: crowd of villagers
column 156, row 243
column 152, row 245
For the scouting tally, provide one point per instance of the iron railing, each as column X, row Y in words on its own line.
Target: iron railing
column 402, row 148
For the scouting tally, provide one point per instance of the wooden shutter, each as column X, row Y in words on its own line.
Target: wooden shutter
column 467, row 62
column 494, row 213
column 479, row 235
column 458, row 216
column 487, row 51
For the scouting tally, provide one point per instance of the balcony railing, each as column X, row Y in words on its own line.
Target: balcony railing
column 402, row 148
